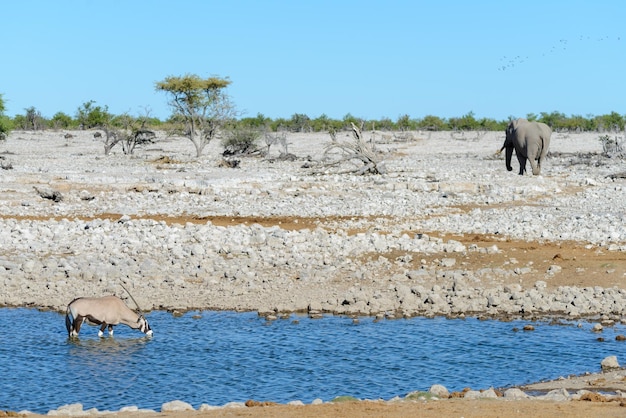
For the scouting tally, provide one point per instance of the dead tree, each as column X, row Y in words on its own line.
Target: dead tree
column 111, row 138
column 136, row 137
column 133, row 133
column 357, row 150
column 269, row 141
column 279, row 138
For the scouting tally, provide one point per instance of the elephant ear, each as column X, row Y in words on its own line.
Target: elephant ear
column 514, row 124
column 511, row 128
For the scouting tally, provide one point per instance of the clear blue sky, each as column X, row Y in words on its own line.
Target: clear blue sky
column 372, row 59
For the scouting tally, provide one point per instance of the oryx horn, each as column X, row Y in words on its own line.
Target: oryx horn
column 131, row 296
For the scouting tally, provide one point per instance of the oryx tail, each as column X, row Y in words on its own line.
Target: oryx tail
column 69, row 318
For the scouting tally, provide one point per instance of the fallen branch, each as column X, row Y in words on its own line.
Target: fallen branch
column 48, row 193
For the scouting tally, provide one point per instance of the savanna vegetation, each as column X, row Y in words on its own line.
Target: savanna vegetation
column 89, row 115
column 201, row 110
column 5, row 122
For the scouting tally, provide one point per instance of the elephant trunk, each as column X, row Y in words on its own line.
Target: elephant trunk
column 509, row 155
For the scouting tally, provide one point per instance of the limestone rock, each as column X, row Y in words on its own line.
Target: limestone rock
column 515, row 394
column 176, row 406
column 439, row 391
column 609, row 363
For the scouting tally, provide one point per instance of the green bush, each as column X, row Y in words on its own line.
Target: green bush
column 5, row 127
column 61, row 120
column 241, row 141
column 5, row 122
column 90, row 116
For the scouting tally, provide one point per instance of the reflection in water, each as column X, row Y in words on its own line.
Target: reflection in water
column 106, row 347
column 111, row 361
column 227, row 356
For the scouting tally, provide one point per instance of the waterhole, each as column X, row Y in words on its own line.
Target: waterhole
column 218, row 357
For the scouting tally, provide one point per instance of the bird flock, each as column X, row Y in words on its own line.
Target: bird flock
column 509, row 63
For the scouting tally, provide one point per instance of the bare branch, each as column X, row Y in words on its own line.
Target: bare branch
column 358, row 150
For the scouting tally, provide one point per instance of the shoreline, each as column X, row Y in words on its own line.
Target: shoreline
column 601, row 387
column 553, row 318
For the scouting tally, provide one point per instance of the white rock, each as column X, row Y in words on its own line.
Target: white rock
column 488, row 394
column 553, row 269
column 235, row 405
column 609, row 363
column 515, row 394
column 472, row 394
column 447, row 262
column 558, row 395
column 493, row 249
column 176, row 406
column 440, row 391
column 132, row 408
column 207, row 407
column 74, row 409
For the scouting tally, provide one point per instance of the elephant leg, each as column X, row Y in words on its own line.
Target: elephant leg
column 522, row 164
column 540, row 159
column 509, row 154
column 536, row 167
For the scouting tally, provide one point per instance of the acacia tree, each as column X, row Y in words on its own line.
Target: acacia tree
column 202, row 103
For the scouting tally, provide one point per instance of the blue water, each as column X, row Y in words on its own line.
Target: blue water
column 226, row 356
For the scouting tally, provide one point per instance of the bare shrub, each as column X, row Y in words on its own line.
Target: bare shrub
column 279, row 138
column 612, row 147
column 131, row 133
column 357, row 150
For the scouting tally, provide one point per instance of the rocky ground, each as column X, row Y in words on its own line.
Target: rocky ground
column 445, row 231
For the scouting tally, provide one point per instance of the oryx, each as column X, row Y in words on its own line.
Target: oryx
column 104, row 311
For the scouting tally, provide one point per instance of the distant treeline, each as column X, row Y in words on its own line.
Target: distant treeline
column 468, row 122
column 90, row 116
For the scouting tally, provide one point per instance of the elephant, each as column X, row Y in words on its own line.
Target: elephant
column 530, row 141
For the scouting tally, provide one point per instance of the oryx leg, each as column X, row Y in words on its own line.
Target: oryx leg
column 104, row 325
column 76, row 325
